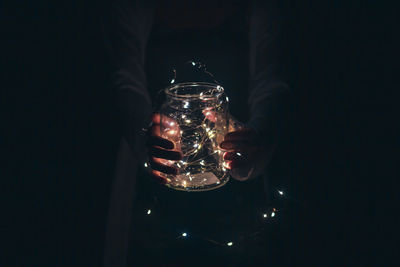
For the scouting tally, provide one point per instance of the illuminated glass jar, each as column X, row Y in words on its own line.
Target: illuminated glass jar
column 195, row 117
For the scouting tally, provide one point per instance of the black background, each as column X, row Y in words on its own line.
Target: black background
column 61, row 132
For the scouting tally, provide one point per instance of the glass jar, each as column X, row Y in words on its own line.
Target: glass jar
column 195, row 117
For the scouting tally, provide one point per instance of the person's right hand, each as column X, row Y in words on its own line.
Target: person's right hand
column 162, row 152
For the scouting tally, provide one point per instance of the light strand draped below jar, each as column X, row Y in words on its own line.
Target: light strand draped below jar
column 195, row 117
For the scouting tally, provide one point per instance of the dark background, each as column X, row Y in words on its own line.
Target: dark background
column 61, row 131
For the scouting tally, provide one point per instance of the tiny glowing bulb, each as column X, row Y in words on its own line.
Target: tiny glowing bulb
column 273, row 214
column 230, row 244
column 146, row 165
column 193, row 63
column 227, row 99
column 148, row 212
column 173, row 80
column 184, row 234
column 239, row 154
column 280, row 192
column 196, row 145
column 171, row 132
column 202, row 162
column 188, row 121
column 184, row 183
column 186, row 104
column 207, row 129
column 265, row 215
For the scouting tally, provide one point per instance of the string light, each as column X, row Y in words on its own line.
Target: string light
column 273, row 212
column 280, row 192
column 201, row 122
column 146, row 165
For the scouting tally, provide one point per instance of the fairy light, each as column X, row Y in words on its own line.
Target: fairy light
column 148, row 212
column 199, row 123
column 273, row 214
column 239, row 154
column 173, row 80
column 146, row 165
column 280, row 192
column 184, row 234
column 265, row 215
column 229, row 244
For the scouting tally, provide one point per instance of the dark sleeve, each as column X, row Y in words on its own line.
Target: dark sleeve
column 127, row 29
column 268, row 87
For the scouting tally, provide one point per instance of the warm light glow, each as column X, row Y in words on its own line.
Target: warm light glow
column 280, row 192
column 184, row 234
column 188, row 121
column 239, row 154
column 230, row 244
column 265, row 215
column 146, row 165
column 173, row 80
column 171, row 132
column 148, row 212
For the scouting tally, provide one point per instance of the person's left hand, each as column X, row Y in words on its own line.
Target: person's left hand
column 245, row 155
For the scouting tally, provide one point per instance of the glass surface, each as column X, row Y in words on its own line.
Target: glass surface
column 195, row 118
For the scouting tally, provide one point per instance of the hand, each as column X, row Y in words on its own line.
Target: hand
column 163, row 151
column 245, row 156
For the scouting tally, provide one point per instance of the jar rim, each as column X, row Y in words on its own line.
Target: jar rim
column 168, row 90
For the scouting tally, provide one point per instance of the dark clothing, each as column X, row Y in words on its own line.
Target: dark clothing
column 135, row 46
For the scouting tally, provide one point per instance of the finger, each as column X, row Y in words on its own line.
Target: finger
column 210, row 114
column 159, row 177
column 155, row 130
column 233, row 164
column 156, row 118
column 245, row 134
column 161, row 142
column 238, row 145
column 156, row 164
column 159, row 152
